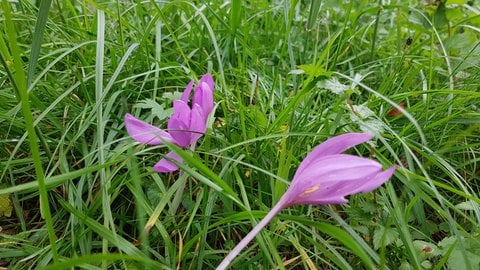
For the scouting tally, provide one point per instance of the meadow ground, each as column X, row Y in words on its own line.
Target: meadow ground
column 76, row 192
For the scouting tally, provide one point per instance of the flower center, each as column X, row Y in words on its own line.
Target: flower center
column 310, row 190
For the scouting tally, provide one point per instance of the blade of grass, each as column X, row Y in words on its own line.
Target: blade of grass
column 166, row 198
column 21, row 82
column 99, row 91
column 213, row 180
column 54, row 181
column 338, row 234
column 235, row 17
column 106, row 234
column 393, row 104
column 360, row 241
column 37, row 38
column 88, row 261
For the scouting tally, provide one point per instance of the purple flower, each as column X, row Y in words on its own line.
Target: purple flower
column 325, row 176
column 186, row 125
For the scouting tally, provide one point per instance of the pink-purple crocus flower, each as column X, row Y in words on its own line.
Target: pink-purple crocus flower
column 186, row 125
column 325, row 176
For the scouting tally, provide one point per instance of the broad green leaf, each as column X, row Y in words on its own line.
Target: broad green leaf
column 384, row 236
column 454, row 14
column 426, row 249
column 440, row 16
column 457, row 260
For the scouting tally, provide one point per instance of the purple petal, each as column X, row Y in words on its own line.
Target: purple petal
column 377, row 181
column 338, row 167
column 316, row 197
column 179, row 123
column 208, row 79
column 197, row 124
column 203, row 95
column 186, row 93
column 165, row 165
column 145, row 133
column 335, row 145
column 335, row 192
column 330, row 178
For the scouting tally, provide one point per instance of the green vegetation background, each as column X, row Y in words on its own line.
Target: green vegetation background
column 77, row 192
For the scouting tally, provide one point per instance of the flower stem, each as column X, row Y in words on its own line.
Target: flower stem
column 249, row 237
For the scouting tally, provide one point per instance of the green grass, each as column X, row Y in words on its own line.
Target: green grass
column 81, row 194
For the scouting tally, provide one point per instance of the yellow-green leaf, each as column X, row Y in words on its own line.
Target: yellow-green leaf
column 456, row 2
column 5, row 205
column 315, row 71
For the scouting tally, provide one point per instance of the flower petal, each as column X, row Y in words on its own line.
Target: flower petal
column 330, row 178
column 377, row 181
column 145, row 133
column 315, row 197
column 165, row 165
column 335, row 192
column 203, row 95
column 341, row 167
column 208, row 79
column 179, row 123
column 186, row 93
column 197, row 124
column 335, row 145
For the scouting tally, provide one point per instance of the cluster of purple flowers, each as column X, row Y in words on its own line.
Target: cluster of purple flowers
column 325, row 176
column 186, row 125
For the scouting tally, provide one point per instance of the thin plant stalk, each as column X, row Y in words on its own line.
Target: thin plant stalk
column 249, row 237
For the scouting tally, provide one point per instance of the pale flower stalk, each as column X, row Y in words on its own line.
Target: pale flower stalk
column 186, row 125
column 325, row 176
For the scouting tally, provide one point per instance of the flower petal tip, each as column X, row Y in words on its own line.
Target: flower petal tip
column 143, row 132
column 165, row 165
